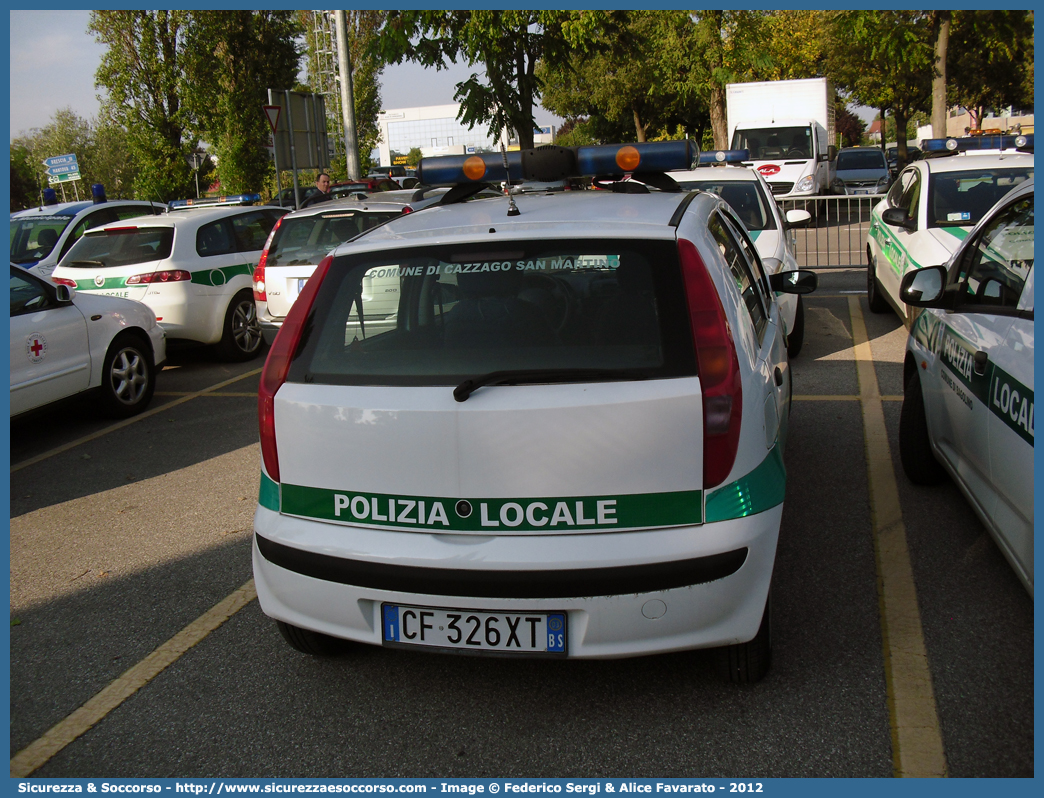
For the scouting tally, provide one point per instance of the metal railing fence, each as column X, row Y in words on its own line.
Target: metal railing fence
column 836, row 236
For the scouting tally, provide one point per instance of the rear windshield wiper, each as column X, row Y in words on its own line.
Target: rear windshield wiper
column 531, row 376
column 87, row 263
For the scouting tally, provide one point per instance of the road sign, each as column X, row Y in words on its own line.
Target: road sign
column 272, row 113
column 55, row 171
column 64, row 178
column 61, row 160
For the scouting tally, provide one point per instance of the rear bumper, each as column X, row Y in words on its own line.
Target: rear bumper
column 626, row 593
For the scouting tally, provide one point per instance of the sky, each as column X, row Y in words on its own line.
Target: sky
column 53, row 61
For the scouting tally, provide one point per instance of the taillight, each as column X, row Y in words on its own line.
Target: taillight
column 170, row 276
column 407, row 209
column 277, row 364
column 259, row 270
column 63, row 281
column 718, row 367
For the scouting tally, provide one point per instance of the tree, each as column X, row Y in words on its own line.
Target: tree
column 990, row 61
column 231, row 59
column 25, row 186
column 847, row 125
column 66, row 133
column 941, row 20
column 144, row 77
column 507, row 44
column 795, row 44
column 884, row 59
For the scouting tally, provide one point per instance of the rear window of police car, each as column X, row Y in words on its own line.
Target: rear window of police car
column 437, row 315
column 307, row 239
column 121, row 247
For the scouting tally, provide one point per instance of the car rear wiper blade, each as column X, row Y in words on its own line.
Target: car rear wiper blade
column 534, row 376
column 87, row 263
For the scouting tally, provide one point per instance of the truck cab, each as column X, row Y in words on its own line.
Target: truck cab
column 793, row 156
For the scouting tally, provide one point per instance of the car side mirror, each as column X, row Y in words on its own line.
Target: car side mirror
column 897, row 217
column 799, row 281
column 831, row 153
column 798, row 218
column 63, row 294
column 923, row 288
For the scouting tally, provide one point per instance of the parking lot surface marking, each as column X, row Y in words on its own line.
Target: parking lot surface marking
column 128, row 421
column 38, row 752
column 917, row 749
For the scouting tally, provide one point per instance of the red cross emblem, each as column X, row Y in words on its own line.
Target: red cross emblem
column 36, row 347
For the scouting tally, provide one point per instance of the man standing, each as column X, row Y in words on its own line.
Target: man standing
column 322, row 192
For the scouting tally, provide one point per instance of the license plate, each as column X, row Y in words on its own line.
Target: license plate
column 862, row 191
column 473, row 630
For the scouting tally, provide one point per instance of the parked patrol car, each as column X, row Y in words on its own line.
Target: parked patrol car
column 192, row 267
column 968, row 407
column 930, row 209
column 567, row 442
column 64, row 344
column 769, row 228
column 40, row 237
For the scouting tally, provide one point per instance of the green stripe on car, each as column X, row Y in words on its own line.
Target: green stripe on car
column 220, row 275
column 760, row 490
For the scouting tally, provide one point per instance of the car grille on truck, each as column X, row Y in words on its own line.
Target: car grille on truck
column 781, row 188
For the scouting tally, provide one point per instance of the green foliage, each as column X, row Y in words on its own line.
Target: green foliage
column 990, row 60
column 506, row 44
column 231, row 59
column 413, row 157
column 25, row 186
column 143, row 75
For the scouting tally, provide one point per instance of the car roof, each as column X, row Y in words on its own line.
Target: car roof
column 580, row 214
column 960, row 163
column 73, row 208
column 196, row 217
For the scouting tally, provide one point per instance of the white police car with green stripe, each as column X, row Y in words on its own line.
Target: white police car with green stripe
column 930, row 209
column 566, row 439
column 192, row 268
column 968, row 408
column 750, row 196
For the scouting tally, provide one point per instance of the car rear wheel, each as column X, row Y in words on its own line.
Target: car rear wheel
column 241, row 336
column 915, row 448
column 314, row 643
column 874, row 294
column 128, row 376
column 746, row 663
column 797, row 336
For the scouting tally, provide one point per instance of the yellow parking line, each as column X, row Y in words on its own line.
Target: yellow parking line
column 917, row 748
column 34, row 755
column 128, row 421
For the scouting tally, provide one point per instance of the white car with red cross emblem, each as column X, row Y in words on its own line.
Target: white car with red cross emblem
column 564, row 440
column 968, row 405
column 62, row 345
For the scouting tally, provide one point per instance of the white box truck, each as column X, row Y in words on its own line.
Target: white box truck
column 788, row 128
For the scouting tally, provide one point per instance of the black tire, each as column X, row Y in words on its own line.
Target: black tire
column 915, row 448
column 241, row 337
column 746, row 663
column 315, row 644
column 874, row 295
column 128, row 376
column 796, row 337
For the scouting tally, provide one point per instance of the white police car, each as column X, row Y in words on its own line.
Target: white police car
column 968, row 406
column 63, row 344
column 192, row 268
column 751, row 198
column 303, row 238
column 932, row 206
column 568, row 443
column 40, row 237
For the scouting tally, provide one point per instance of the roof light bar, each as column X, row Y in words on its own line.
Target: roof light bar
column 215, row 202
column 724, row 156
column 557, row 163
column 971, row 143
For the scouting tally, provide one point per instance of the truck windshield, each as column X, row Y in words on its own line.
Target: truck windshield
column 775, row 142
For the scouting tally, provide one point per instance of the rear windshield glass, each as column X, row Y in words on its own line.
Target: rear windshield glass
column 867, row 159
column 307, row 239
column 120, row 247
column 962, row 198
column 33, row 239
column 438, row 315
column 748, row 203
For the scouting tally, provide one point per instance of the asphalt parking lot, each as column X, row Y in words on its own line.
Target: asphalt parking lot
column 128, row 540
